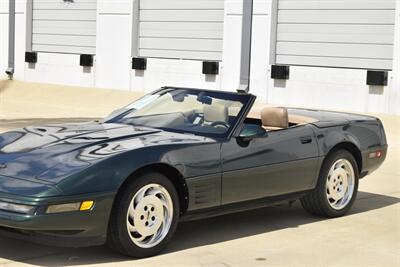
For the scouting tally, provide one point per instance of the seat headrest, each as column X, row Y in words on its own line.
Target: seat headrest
column 214, row 113
column 275, row 117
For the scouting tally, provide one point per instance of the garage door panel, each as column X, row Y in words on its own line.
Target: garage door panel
column 380, row 34
column 65, row 27
column 182, row 4
column 181, row 54
column 182, row 15
column 339, row 38
column 332, row 31
column 335, row 50
column 63, row 49
column 342, row 62
column 59, row 4
column 181, row 44
column 52, row 39
column 337, row 4
column 182, row 30
column 76, row 15
column 337, row 16
column 373, row 34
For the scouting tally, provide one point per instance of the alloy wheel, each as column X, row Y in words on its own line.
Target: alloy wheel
column 340, row 184
column 149, row 216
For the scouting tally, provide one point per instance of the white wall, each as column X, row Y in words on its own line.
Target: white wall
column 231, row 46
column 314, row 87
column 20, row 39
column 172, row 72
column 114, row 39
column 261, row 45
column 3, row 38
column 394, row 95
column 60, row 69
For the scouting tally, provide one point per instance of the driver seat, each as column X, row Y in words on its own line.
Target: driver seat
column 274, row 118
column 213, row 113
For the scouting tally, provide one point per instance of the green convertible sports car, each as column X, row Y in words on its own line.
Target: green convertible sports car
column 178, row 154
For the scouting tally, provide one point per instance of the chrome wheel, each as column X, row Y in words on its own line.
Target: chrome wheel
column 340, row 184
column 149, row 216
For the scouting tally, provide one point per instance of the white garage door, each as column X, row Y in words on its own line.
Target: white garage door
column 185, row 29
column 336, row 33
column 64, row 26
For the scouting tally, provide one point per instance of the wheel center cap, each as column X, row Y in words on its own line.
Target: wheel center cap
column 337, row 183
column 148, row 215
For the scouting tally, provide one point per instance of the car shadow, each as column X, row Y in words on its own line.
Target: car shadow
column 189, row 234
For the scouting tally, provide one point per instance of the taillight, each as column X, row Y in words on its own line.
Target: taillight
column 375, row 154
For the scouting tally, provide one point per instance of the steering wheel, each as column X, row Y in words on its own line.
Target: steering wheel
column 220, row 123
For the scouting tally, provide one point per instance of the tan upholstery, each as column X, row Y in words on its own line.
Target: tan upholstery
column 255, row 113
column 214, row 113
column 274, row 118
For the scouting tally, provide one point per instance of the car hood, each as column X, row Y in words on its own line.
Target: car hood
column 30, row 153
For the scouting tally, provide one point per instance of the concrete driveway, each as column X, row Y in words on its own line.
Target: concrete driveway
column 279, row 236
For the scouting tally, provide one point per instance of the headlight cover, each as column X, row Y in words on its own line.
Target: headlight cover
column 68, row 207
column 17, row 208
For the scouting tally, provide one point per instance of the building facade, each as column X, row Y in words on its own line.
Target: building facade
column 340, row 54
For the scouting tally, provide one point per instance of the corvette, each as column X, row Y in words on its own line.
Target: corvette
column 178, row 154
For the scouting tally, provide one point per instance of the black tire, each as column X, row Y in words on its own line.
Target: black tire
column 317, row 202
column 118, row 237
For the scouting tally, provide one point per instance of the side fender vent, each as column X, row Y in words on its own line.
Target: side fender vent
column 204, row 191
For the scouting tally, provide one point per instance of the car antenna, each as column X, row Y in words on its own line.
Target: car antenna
column 247, row 26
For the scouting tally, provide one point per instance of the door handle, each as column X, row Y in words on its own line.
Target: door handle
column 306, row 140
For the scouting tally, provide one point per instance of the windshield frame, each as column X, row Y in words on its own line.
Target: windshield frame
column 245, row 98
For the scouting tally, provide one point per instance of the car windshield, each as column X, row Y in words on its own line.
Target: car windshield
column 208, row 113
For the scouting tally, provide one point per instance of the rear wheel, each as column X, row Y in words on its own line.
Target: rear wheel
column 337, row 186
column 144, row 217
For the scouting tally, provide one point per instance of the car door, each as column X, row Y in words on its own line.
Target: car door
column 282, row 162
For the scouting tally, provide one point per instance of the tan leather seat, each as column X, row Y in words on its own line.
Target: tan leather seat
column 213, row 113
column 274, row 118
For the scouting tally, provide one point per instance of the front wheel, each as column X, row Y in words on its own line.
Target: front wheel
column 337, row 186
column 144, row 217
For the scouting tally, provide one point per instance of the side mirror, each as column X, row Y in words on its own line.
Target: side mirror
column 251, row 131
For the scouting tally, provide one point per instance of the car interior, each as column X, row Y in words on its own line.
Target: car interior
column 276, row 118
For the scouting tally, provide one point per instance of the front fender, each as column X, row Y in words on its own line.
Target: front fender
column 109, row 174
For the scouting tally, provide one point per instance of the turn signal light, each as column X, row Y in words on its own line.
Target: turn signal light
column 86, row 205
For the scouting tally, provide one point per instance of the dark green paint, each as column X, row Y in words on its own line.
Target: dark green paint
column 50, row 164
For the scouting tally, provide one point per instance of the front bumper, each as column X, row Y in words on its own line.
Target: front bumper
column 68, row 229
